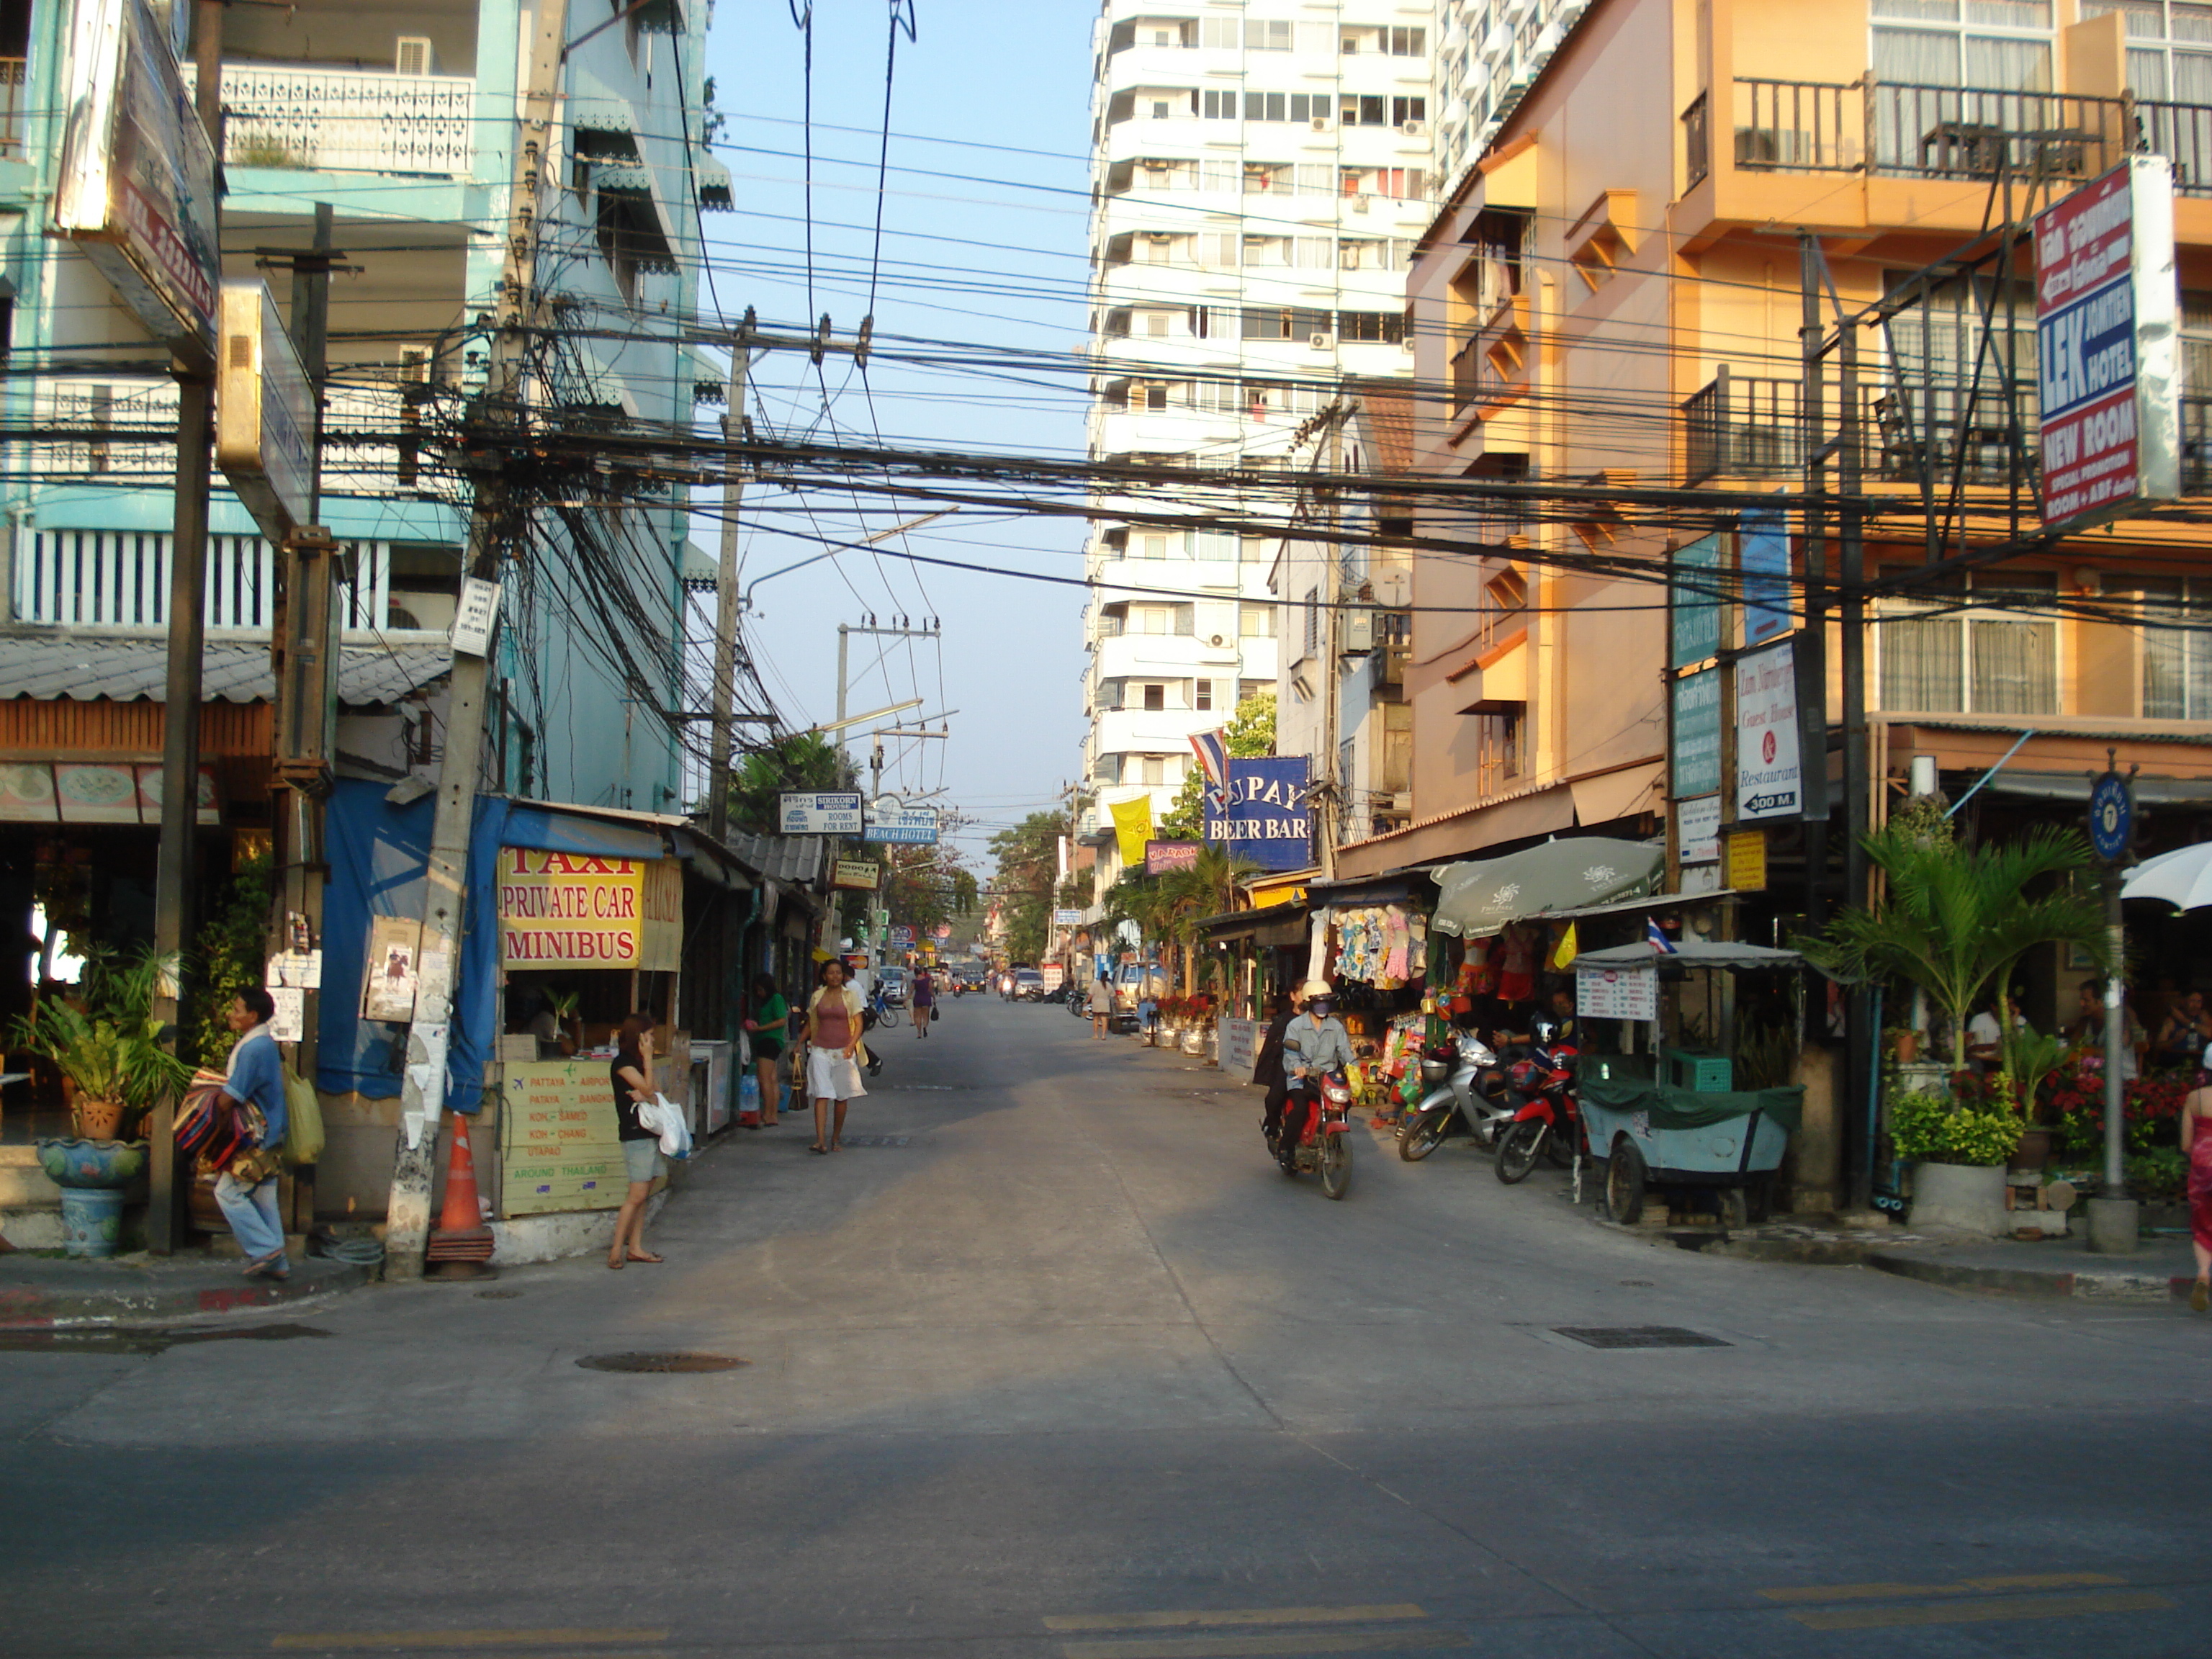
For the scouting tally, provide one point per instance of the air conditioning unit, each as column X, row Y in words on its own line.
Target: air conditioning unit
column 1218, row 640
column 415, row 365
column 414, row 56
column 1321, row 342
column 1321, row 124
column 1159, row 238
column 1411, row 129
column 1360, row 203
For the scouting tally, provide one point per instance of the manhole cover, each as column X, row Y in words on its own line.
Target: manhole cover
column 661, row 1362
column 497, row 1296
column 873, row 1140
column 1640, row 1336
column 1627, row 1284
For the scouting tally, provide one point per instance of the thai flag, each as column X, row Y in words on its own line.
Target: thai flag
column 1213, row 752
column 1656, row 937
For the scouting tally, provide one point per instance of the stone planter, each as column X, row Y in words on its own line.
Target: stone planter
column 94, row 1176
column 1194, row 1040
column 1964, row 1197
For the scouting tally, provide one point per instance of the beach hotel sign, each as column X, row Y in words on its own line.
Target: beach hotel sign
column 2107, row 357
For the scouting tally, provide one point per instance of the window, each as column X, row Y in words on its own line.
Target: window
column 1997, row 656
column 2177, row 636
column 1107, row 769
column 1403, row 110
column 1313, row 622
column 1202, row 696
column 2157, row 71
column 1360, row 112
column 1286, row 107
column 1246, row 690
column 1406, row 42
column 1285, row 322
column 2004, row 45
column 1217, row 105
column 1396, row 183
column 1255, row 621
column 1497, row 750
column 1272, row 36
column 1154, row 768
column 1156, row 698
column 1375, row 327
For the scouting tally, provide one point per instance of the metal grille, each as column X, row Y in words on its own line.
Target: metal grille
column 873, row 1140
column 1640, row 1336
column 661, row 1362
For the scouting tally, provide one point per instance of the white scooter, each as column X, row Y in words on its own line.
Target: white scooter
column 1456, row 1102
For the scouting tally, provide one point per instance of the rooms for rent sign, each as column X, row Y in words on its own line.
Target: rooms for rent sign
column 2107, row 358
column 577, row 910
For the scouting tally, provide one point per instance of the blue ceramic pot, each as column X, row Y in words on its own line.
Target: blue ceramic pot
column 92, row 1166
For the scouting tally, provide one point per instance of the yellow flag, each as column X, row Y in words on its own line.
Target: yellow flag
column 1132, row 828
column 1565, row 952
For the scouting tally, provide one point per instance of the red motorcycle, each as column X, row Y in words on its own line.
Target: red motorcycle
column 1315, row 1138
column 1546, row 1120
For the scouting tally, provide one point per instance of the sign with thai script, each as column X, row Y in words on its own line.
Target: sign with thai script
column 1694, row 593
column 1695, row 768
column 1745, row 855
column 583, row 910
column 1698, row 829
column 1267, row 814
column 888, row 821
column 1616, row 993
column 474, row 616
column 859, row 875
column 2107, row 355
column 562, row 1147
column 1769, row 781
column 820, row 813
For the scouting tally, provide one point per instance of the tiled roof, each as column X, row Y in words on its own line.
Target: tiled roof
column 1390, row 417
column 84, row 667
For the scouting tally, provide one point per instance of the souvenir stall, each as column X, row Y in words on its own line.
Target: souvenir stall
column 1376, row 954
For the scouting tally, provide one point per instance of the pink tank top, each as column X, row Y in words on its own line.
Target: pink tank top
column 833, row 1021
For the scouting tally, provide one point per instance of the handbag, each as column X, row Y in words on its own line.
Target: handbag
column 933, row 1013
column 304, row 1138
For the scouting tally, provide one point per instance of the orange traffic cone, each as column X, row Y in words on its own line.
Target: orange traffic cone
column 461, row 1245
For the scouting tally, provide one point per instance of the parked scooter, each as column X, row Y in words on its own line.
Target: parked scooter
column 1546, row 1121
column 1316, row 1124
column 1466, row 1096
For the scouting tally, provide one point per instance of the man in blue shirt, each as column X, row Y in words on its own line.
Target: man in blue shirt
column 256, row 1078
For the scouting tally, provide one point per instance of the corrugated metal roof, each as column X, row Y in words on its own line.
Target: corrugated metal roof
column 796, row 859
column 84, row 668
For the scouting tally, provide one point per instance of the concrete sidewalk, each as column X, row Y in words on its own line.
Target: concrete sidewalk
column 43, row 1292
column 2163, row 1268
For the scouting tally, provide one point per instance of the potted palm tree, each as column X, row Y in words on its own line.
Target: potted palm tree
column 1955, row 921
column 107, row 1048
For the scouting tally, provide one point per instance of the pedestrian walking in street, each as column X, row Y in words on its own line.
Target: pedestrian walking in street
column 1102, row 1006
column 925, row 1000
column 833, row 1046
column 246, row 1190
column 769, row 1028
column 2197, row 1142
column 632, row 1075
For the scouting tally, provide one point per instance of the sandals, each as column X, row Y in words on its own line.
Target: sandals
column 824, row 1150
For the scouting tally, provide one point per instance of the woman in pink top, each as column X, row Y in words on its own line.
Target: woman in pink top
column 2196, row 1141
column 833, row 1043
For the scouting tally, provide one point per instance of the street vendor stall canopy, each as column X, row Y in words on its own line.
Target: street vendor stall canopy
column 2182, row 877
column 1692, row 953
column 1484, row 898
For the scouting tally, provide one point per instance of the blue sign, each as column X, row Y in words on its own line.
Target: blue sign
column 2111, row 817
column 1762, row 563
column 1268, row 815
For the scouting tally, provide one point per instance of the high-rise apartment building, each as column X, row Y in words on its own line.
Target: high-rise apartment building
column 1488, row 53
column 1261, row 173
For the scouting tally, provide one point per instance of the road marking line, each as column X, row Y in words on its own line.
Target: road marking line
column 1285, row 1642
column 467, row 1639
column 1991, row 1611
column 1232, row 1616
column 1965, row 1587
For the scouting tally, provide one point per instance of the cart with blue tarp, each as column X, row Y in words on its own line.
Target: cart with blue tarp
column 1656, row 1121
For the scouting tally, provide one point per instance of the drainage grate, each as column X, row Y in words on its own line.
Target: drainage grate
column 1640, row 1336
column 497, row 1296
column 873, row 1140
column 661, row 1362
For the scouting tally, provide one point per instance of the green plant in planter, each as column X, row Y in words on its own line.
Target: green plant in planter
column 108, row 1049
column 1926, row 1128
column 2162, row 1176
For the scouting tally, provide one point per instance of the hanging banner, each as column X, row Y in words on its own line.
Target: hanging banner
column 1267, row 816
column 1133, row 827
column 1769, row 781
column 2107, row 350
column 581, row 910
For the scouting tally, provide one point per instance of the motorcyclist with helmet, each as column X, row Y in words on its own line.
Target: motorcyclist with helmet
column 1314, row 1042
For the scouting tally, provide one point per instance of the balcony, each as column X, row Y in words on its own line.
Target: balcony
column 13, row 109
column 1742, row 427
column 346, row 120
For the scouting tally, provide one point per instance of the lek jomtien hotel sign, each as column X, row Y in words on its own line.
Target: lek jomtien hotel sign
column 1267, row 812
column 2107, row 357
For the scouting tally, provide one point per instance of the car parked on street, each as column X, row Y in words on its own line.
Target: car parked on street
column 1029, row 985
column 895, row 986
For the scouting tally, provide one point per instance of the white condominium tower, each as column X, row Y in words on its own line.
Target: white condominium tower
column 1261, row 171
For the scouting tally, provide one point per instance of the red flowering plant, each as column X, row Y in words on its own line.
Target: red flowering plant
column 2150, row 1106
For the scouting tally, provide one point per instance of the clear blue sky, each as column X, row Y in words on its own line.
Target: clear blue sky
column 1015, row 76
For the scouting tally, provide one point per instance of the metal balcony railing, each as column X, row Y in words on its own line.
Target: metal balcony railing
column 1467, row 374
column 1697, row 141
column 13, row 90
column 333, row 120
column 1742, row 427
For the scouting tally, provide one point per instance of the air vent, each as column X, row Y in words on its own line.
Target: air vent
column 1321, row 342
column 414, row 55
column 1411, row 129
column 1321, row 124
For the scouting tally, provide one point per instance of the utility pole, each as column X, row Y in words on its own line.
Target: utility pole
column 725, row 600
column 1332, row 789
column 176, row 861
column 930, row 629
column 532, row 191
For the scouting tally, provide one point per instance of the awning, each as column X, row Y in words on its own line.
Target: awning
column 1543, row 809
column 1391, row 887
column 716, row 192
column 1501, row 682
column 82, row 668
column 602, row 129
column 1476, row 899
column 1692, row 953
column 1615, row 795
column 1274, row 925
column 547, row 829
column 2075, row 786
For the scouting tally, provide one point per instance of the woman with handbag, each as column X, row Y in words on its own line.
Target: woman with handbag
column 631, row 1076
column 925, row 999
column 833, row 1044
column 246, row 1188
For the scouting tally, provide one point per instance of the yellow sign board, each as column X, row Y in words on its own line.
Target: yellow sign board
column 1132, row 828
column 1743, row 852
column 581, row 910
column 562, row 1150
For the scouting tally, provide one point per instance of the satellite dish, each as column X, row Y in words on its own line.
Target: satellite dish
column 1393, row 587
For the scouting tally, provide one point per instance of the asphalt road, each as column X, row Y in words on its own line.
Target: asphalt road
column 1052, row 1363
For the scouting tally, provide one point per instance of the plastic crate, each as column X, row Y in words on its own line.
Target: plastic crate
column 1615, row 1068
column 1704, row 1074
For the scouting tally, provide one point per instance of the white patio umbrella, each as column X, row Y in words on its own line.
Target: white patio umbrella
column 2182, row 877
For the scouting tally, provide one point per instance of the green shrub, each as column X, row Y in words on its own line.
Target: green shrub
column 2160, row 1177
column 1926, row 1129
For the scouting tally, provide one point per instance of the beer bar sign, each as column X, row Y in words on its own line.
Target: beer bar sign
column 2107, row 357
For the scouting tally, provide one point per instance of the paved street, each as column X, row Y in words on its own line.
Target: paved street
column 1052, row 1362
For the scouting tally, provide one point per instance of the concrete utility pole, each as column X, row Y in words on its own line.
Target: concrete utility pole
column 175, row 860
column 930, row 630
column 532, row 189
column 726, row 605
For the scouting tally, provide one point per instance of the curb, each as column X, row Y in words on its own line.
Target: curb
column 2016, row 1281
column 38, row 1308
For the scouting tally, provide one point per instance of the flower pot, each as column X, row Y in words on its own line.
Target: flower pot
column 1964, row 1197
column 97, row 1120
column 94, row 1176
column 1908, row 1047
column 1194, row 1041
column 2034, row 1150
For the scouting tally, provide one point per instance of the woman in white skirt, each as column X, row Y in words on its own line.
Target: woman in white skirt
column 833, row 1048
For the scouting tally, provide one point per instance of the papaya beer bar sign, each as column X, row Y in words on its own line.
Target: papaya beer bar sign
column 583, row 910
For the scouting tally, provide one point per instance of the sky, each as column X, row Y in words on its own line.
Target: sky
column 990, row 110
